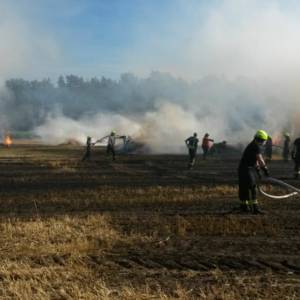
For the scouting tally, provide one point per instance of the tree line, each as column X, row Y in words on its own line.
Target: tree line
column 27, row 103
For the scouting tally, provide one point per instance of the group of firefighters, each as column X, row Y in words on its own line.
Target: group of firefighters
column 110, row 148
column 192, row 145
column 250, row 166
column 191, row 142
column 252, row 162
column 285, row 149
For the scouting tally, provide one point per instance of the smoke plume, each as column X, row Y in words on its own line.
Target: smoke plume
column 229, row 73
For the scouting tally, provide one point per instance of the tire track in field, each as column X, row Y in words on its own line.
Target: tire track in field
column 194, row 262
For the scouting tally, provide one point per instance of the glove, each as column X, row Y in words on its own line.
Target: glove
column 266, row 171
column 257, row 169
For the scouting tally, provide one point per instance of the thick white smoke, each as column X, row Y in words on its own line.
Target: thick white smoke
column 245, row 54
column 59, row 128
column 164, row 129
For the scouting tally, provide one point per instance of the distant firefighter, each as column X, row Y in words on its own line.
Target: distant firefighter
column 87, row 155
column 250, row 163
column 206, row 145
column 296, row 157
column 219, row 148
column 192, row 145
column 269, row 149
column 286, row 147
column 111, row 143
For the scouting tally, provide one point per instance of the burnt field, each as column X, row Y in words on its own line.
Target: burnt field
column 142, row 227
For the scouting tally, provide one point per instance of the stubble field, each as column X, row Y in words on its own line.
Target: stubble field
column 143, row 227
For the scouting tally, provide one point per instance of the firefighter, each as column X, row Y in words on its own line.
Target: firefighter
column 269, row 149
column 111, row 143
column 192, row 144
column 219, row 148
column 296, row 157
column 206, row 145
column 286, row 147
column 87, row 155
column 110, row 148
column 248, row 172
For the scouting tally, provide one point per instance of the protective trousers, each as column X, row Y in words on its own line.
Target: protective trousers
column 87, row 154
column 297, row 167
column 192, row 154
column 205, row 151
column 247, row 186
column 111, row 150
column 286, row 153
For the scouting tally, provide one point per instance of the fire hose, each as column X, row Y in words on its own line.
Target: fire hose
column 281, row 183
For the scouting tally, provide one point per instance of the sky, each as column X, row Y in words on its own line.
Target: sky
column 188, row 38
column 252, row 46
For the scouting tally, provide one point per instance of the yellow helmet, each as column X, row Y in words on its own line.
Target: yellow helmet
column 261, row 134
column 286, row 134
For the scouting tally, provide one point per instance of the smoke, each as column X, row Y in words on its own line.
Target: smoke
column 156, row 128
column 25, row 49
column 239, row 60
column 250, row 38
column 59, row 128
column 231, row 38
column 170, row 121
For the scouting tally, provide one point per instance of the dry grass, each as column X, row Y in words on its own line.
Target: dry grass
column 67, row 258
column 131, row 230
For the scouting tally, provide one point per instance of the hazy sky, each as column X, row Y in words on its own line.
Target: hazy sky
column 189, row 38
column 251, row 46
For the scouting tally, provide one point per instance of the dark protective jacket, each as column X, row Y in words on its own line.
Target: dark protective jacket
column 249, row 158
column 296, row 150
column 247, row 168
column 192, row 142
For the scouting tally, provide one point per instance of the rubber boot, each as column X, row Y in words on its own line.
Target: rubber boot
column 256, row 210
column 191, row 164
column 245, row 208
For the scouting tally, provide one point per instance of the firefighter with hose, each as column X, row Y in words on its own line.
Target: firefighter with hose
column 192, row 145
column 248, row 173
column 296, row 157
column 111, row 143
column 87, row 155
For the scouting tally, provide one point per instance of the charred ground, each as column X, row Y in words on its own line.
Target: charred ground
column 141, row 227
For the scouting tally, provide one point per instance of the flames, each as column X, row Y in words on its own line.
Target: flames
column 7, row 141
